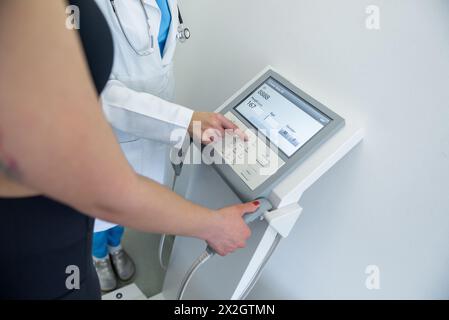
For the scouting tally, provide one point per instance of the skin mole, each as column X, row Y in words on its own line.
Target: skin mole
column 7, row 164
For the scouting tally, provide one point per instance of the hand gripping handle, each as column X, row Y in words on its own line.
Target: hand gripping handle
column 264, row 206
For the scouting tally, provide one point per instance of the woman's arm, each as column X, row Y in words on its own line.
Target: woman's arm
column 55, row 140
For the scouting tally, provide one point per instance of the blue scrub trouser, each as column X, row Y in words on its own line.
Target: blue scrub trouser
column 101, row 240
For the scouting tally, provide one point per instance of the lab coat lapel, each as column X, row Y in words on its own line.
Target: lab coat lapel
column 151, row 3
column 154, row 21
column 171, row 42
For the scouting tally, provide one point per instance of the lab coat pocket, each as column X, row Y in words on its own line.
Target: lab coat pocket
column 158, row 81
column 155, row 85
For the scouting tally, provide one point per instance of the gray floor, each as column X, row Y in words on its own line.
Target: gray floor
column 143, row 248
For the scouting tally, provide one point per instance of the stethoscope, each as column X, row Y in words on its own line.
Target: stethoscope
column 182, row 35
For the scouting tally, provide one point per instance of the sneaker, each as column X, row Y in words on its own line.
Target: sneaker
column 124, row 266
column 105, row 273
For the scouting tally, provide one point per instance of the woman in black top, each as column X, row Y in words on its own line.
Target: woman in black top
column 59, row 159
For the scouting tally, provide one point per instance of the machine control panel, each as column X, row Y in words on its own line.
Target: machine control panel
column 283, row 125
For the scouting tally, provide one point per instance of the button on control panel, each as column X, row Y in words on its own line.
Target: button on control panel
column 253, row 160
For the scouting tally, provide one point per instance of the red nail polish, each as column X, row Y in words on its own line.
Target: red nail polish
column 256, row 203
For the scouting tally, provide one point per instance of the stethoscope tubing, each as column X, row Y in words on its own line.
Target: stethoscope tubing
column 182, row 36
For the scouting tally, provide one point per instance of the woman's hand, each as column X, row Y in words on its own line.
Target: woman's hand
column 230, row 231
column 213, row 126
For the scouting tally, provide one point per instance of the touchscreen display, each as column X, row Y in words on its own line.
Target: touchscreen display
column 282, row 116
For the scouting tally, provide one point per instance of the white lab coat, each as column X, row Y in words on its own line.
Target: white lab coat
column 136, row 98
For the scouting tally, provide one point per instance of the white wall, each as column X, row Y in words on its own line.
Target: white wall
column 387, row 203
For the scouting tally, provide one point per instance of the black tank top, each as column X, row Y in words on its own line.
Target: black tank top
column 42, row 241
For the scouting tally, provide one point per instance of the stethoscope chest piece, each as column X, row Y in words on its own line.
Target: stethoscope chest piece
column 183, row 33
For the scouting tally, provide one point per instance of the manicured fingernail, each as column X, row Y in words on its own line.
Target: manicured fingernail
column 256, row 203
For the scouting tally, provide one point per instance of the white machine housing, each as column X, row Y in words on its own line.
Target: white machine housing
column 227, row 277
